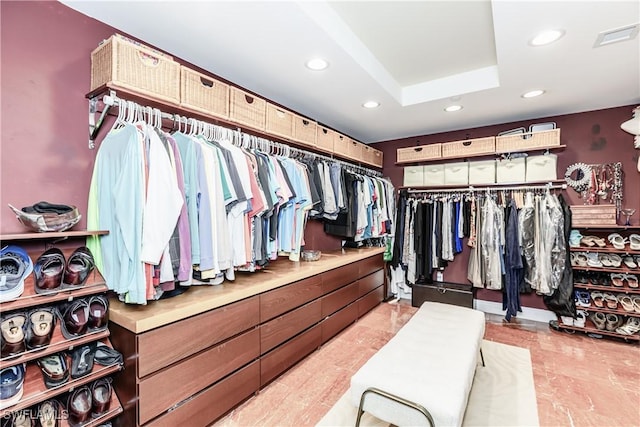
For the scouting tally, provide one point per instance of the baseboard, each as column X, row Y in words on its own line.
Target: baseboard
column 528, row 313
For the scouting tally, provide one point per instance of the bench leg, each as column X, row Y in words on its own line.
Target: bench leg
column 395, row 398
column 482, row 357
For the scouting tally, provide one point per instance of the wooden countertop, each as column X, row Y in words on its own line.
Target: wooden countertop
column 202, row 298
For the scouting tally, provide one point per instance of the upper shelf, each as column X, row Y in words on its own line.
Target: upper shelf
column 494, row 186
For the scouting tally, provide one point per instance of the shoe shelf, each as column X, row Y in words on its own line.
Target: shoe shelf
column 58, row 343
column 607, row 249
column 590, row 328
column 35, row 390
column 623, row 289
column 115, row 409
column 620, row 269
column 610, row 227
column 617, row 311
column 54, row 235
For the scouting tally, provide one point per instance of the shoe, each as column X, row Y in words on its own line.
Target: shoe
column 79, row 266
column 616, row 240
column 593, row 260
column 107, row 356
column 567, row 320
column 634, row 242
column 631, row 327
column 98, row 313
column 636, row 303
column 617, row 280
column 79, row 406
column 48, row 271
column 55, row 370
column 101, row 396
column 15, row 266
column 611, row 300
column 74, row 318
column 42, row 323
column 21, row 418
column 599, row 320
column 632, row 280
column 627, row 303
column 598, row 299
column 82, row 360
column 574, row 238
column 582, row 298
column 13, row 329
column 613, row 321
column 49, row 413
column 581, row 318
column 593, row 241
column 629, row 262
column 615, row 260
column 581, row 259
column 11, row 381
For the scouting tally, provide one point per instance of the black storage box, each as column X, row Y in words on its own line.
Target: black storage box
column 448, row 293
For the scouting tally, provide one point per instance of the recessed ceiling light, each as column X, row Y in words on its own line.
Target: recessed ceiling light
column 452, row 108
column 317, row 64
column 371, row 104
column 533, row 93
column 546, row 37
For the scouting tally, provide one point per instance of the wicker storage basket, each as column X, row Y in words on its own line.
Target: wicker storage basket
column 419, row 153
column 279, row 121
column 527, row 141
column 325, row 139
column 203, row 93
column 247, row 109
column 593, row 215
column 304, row 130
column 368, row 155
column 135, row 67
column 355, row 150
column 341, row 145
column 469, row 147
column 377, row 158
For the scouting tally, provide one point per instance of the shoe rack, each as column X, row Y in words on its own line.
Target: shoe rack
column 597, row 281
column 34, row 389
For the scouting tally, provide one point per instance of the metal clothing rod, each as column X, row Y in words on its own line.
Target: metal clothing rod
column 236, row 135
column 485, row 189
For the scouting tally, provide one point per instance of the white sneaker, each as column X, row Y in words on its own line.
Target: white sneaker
column 567, row 320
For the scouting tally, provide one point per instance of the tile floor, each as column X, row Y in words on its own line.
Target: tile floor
column 580, row 381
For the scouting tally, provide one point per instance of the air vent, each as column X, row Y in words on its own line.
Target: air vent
column 617, row 35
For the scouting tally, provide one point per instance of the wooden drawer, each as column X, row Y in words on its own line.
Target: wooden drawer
column 448, row 293
column 161, row 347
column 337, row 278
column 338, row 299
column 282, row 358
column 215, row 401
column 163, row 390
column 370, row 282
column 281, row 300
column 369, row 301
column 338, row 321
column 370, row 265
column 288, row 325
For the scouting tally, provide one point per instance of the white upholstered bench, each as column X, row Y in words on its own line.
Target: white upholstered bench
column 423, row 375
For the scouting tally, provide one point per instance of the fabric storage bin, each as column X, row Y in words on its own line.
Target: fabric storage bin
column 420, row 153
column 247, row 109
column 304, row 130
column 122, row 62
column 203, row 93
column 469, row 147
column 482, row 172
column 510, row 170
column 325, row 139
column 279, row 121
column 433, row 175
column 456, row 173
column 413, row 176
column 542, row 168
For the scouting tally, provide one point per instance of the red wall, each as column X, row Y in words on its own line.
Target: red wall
column 591, row 137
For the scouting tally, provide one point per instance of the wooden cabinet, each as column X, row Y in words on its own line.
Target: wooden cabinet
column 194, row 370
column 34, row 389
